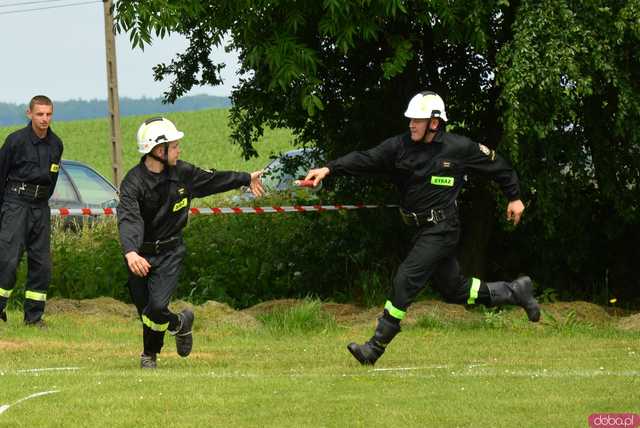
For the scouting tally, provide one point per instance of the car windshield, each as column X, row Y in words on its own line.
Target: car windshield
column 93, row 189
column 282, row 171
column 64, row 189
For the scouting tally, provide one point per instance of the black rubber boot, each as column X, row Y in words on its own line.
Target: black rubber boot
column 518, row 292
column 184, row 337
column 369, row 352
column 148, row 361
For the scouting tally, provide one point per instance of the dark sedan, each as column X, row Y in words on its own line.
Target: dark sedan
column 81, row 186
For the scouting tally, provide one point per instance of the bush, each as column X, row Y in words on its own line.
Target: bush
column 242, row 260
column 88, row 262
column 245, row 259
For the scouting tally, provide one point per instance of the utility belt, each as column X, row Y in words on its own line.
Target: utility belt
column 33, row 191
column 159, row 247
column 430, row 217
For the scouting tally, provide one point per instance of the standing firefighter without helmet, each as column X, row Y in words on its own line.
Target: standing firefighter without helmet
column 157, row 130
column 426, row 105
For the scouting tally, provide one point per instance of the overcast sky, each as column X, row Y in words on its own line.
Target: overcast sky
column 60, row 53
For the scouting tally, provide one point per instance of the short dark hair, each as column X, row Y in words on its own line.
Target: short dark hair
column 40, row 99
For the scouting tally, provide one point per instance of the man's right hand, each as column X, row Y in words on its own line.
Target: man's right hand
column 137, row 264
column 317, row 175
column 514, row 211
column 256, row 184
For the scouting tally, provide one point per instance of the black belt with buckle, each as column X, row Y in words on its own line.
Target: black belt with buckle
column 34, row 191
column 158, row 247
column 430, row 217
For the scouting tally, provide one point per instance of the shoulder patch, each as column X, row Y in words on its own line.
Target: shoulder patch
column 179, row 205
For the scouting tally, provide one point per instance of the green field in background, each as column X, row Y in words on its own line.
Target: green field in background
column 206, row 142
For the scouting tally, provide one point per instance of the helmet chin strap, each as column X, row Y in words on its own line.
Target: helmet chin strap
column 430, row 132
column 165, row 157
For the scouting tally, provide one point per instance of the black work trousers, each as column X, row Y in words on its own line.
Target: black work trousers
column 432, row 259
column 152, row 294
column 25, row 226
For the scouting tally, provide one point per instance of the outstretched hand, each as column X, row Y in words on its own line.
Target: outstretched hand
column 256, row 184
column 317, row 175
column 514, row 211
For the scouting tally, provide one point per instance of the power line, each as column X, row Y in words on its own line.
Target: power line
column 29, row 3
column 49, row 7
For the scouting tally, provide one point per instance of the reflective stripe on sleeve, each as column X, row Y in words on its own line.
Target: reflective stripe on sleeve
column 34, row 295
column 5, row 293
column 473, row 292
column 393, row 311
column 153, row 326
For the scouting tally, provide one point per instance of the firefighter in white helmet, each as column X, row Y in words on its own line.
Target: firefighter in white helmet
column 428, row 166
column 426, row 105
column 155, row 196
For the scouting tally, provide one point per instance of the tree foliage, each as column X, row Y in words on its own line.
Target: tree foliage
column 555, row 83
column 570, row 83
column 339, row 73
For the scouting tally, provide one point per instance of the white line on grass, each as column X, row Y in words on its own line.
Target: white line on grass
column 5, row 407
column 468, row 371
column 446, row 370
column 47, row 369
column 398, row 369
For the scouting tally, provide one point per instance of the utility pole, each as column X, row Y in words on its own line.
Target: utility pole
column 112, row 88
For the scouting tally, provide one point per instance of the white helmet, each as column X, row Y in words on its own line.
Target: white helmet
column 156, row 131
column 426, row 105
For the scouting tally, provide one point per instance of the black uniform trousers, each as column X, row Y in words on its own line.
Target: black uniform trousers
column 25, row 226
column 432, row 258
column 152, row 294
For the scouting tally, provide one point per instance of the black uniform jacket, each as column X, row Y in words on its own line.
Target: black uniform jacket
column 155, row 206
column 429, row 175
column 25, row 158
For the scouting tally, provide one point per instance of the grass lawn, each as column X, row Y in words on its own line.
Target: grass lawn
column 275, row 372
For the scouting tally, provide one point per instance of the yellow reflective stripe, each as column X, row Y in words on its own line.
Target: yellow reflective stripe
column 55, row 167
column 473, row 292
column 34, row 295
column 393, row 311
column 180, row 205
column 5, row 293
column 153, row 326
column 442, row 181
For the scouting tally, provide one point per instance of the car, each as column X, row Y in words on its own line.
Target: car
column 81, row 186
column 280, row 174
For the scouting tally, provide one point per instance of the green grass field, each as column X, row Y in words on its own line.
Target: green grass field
column 206, row 142
column 277, row 371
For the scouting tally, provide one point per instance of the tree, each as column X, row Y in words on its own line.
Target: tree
column 528, row 76
column 339, row 73
column 570, row 84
